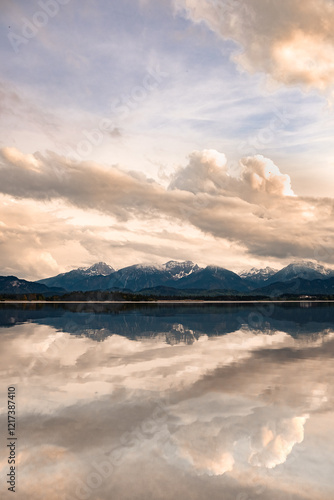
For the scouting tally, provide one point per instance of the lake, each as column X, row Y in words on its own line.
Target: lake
column 168, row 401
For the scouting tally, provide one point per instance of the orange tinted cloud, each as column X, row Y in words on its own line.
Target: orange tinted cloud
column 290, row 41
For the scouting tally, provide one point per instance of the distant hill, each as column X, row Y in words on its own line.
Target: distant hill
column 11, row 285
column 299, row 286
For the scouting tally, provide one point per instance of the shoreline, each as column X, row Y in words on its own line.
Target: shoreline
column 300, row 301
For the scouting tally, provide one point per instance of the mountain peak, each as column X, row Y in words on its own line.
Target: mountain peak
column 171, row 264
column 308, row 264
column 259, row 275
column 302, row 269
column 180, row 270
column 98, row 269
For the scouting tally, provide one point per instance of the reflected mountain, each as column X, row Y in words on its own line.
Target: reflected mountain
column 180, row 323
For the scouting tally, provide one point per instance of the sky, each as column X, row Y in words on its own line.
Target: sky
column 145, row 131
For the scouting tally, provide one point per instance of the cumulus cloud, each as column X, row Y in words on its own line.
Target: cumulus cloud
column 262, row 175
column 205, row 173
column 260, row 180
column 249, row 211
column 272, row 446
column 290, row 41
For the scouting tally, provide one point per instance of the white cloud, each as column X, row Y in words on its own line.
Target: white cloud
column 205, row 173
column 290, row 41
column 273, row 444
column 262, row 175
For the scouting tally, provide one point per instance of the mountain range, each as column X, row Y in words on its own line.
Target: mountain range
column 181, row 278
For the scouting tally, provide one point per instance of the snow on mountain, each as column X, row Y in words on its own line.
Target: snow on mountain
column 98, row 269
column 179, row 270
column 303, row 266
column 139, row 276
column 258, row 274
column 307, row 270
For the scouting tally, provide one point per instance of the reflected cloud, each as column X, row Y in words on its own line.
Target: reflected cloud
column 272, row 445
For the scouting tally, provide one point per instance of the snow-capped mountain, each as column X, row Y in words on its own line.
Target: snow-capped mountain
column 306, row 270
column 180, row 270
column 98, row 269
column 141, row 276
column 258, row 275
column 176, row 275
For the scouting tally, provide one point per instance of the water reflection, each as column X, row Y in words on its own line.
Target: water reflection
column 148, row 320
column 163, row 402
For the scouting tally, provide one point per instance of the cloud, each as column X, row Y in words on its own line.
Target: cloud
column 290, row 41
column 272, row 445
column 39, row 239
column 33, row 240
column 262, row 175
column 249, row 210
column 205, row 173
column 86, row 185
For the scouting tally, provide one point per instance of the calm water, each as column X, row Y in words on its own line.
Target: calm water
column 140, row 402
